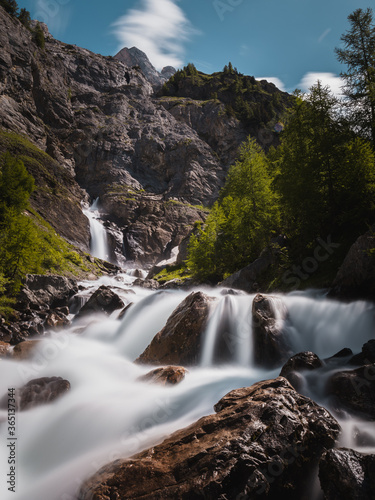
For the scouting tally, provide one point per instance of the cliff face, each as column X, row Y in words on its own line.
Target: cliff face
column 99, row 119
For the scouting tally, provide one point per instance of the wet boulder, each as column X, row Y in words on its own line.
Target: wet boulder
column 168, row 375
column 180, row 341
column 347, row 475
column 103, row 300
column 264, row 441
column 299, row 363
column 271, row 348
column 38, row 392
column 4, row 349
column 354, row 390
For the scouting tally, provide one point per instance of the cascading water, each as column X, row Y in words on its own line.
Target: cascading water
column 98, row 240
column 109, row 414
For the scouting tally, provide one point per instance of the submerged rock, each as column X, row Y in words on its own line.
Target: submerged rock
column 347, row 475
column 179, row 342
column 169, row 375
column 24, row 350
column 38, row 392
column 103, row 300
column 263, row 442
column 270, row 345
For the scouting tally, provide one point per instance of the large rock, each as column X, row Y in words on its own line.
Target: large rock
column 355, row 390
column 263, row 442
column 165, row 375
column 46, row 291
column 103, row 300
column 356, row 276
column 180, row 341
column 271, row 348
column 347, row 475
column 38, row 392
column 248, row 278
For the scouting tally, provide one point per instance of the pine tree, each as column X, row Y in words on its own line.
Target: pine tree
column 359, row 56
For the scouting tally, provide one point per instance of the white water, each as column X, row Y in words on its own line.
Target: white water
column 98, row 241
column 108, row 414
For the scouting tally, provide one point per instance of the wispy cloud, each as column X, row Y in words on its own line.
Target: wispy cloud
column 55, row 14
column 273, row 79
column 159, row 28
column 324, row 34
column 333, row 81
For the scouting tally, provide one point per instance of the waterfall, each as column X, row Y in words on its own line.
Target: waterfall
column 109, row 414
column 98, row 240
column 228, row 333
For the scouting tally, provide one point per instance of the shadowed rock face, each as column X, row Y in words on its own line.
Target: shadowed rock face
column 347, row 475
column 270, row 345
column 262, row 442
column 355, row 390
column 179, row 342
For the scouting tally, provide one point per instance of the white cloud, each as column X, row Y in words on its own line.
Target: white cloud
column 159, row 28
column 333, row 81
column 273, row 79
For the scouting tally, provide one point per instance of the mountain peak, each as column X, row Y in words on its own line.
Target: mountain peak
column 136, row 57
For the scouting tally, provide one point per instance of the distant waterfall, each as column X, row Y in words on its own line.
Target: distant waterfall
column 98, row 240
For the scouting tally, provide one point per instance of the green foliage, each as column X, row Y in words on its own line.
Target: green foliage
column 16, row 184
column 358, row 54
column 24, row 17
column 39, row 37
column 10, row 6
column 324, row 174
column 241, row 222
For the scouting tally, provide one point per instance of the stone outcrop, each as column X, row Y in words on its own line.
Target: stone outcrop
column 271, row 348
column 135, row 57
column 180, row 341
column 356, row 276
column 38, row 392
column 263, row 442
column 347, row 475
column 46, row 291
column 166, row 375
column 103, row 300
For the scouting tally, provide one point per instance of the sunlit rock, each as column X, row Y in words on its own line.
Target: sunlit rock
column 263, row 442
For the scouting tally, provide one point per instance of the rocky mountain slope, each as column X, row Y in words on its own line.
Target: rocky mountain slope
column 135, row 57
column 150, row 159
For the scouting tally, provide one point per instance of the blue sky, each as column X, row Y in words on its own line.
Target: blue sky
column 290, row 42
